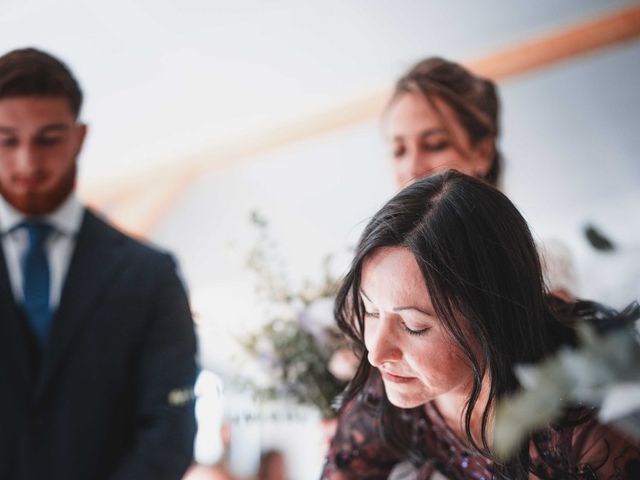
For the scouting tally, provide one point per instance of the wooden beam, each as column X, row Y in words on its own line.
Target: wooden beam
column 578, row 39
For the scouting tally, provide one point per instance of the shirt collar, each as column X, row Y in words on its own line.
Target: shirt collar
column 66, row 219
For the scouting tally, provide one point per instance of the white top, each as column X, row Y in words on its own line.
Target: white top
column 66, row 221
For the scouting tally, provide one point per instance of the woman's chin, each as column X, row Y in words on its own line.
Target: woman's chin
column 404, row 399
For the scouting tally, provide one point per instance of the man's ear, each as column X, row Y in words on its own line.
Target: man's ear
column 80, row 134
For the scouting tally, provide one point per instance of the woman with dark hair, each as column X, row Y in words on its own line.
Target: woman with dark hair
column 444, row 297
column 441, row 116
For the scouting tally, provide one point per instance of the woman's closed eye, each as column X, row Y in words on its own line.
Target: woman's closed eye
column 399, row 151
column 435, row 145
column 415, row 331
column 410, row 329
column 431, row 146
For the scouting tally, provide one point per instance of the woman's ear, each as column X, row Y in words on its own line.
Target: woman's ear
column 483, row 153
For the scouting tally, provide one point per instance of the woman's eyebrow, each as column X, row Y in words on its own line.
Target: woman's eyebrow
column 417, row 309
column 432, row 131
column 399, row 309
column 423, row 133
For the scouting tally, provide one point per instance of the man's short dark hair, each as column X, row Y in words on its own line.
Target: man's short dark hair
column 29, row 72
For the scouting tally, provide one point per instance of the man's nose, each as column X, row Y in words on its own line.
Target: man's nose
column 27, row 158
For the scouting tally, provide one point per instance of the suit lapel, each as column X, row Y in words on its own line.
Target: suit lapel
column 10, row 330
column 96, row 259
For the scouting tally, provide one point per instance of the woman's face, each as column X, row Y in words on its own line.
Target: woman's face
column 424, row 141
column 405, row 340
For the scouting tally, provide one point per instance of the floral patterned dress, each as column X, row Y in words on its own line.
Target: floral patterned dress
column 587, row 451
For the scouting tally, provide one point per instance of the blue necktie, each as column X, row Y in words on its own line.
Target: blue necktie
column 36, row 281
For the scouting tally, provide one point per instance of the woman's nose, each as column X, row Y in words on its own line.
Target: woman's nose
column 383, row 346
column 421, row 166
column 414, row 167
column 407, row 171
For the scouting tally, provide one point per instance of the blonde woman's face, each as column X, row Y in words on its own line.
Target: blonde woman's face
column 424, row 141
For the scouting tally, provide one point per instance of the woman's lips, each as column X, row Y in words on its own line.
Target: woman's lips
column 396, row 378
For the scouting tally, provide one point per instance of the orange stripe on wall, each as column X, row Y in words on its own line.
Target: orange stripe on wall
column 578, row 39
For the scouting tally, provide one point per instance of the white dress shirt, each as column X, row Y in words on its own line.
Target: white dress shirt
column 66, row 221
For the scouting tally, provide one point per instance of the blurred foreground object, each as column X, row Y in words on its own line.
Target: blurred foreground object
column 602, row 372
column 612, row 272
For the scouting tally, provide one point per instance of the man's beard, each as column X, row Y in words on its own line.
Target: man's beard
column 43, row 203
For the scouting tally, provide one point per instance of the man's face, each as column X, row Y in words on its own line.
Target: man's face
column 39, row 143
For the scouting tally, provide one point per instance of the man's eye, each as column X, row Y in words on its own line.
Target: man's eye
column 9, row 142
column 48, row 141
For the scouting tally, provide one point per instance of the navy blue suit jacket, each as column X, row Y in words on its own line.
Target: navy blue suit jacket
column 111, row 396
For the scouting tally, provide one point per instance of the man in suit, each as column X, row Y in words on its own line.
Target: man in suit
column 97, row 347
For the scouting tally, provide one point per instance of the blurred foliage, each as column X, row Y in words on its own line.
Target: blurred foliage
column 294, row 346
column 584, row 376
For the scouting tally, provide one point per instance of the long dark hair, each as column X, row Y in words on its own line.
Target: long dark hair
column 480, row 266
column 473, row 99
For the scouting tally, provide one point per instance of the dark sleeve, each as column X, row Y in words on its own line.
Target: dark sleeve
column 605, row 453
column 163, row 381
column 357, row 450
